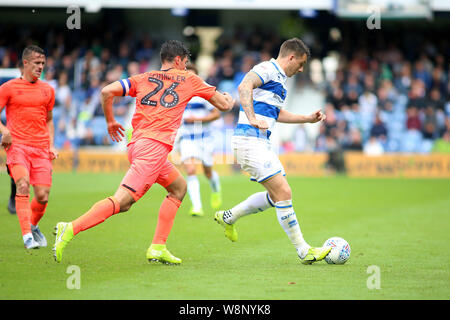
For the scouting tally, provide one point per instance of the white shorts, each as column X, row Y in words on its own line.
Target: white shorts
column 200, row 149
column 256, row 157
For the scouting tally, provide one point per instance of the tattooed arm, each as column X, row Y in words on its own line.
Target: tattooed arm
column 245, row 89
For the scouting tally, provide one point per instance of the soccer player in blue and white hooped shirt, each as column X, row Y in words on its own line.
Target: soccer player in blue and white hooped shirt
column 197, row 145
column 262, row 94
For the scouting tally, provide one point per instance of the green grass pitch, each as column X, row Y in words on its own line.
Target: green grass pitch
column 399, row 225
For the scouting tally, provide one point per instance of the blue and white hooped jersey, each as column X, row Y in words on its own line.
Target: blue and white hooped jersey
column 199, row 108
column 268, row 99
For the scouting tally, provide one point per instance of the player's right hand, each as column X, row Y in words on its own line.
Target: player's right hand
column 116, row 131
column 260, row 124
column 6, row 140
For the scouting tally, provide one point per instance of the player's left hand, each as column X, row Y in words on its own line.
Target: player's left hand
column 317, row 116
column 53, row 153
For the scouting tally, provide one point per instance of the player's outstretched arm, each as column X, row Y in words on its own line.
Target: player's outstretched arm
column 213, row 115
column 115, row 129
column 222, row 101
column 245, row 89
column 288, row 117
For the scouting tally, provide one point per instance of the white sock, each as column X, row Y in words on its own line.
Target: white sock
column 257, row 202
column 193, row 187
column 288, row 221
column 215, row 182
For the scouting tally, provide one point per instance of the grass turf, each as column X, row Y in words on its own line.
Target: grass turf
column 399, row 225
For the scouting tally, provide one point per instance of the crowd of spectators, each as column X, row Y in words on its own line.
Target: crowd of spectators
column 387, row 103
column 380, row 99
column 386, row 96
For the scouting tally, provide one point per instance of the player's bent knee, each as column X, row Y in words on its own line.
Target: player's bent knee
column 42, row 198
column 22, row 186
column 124, row 199
column 177, row 188
column 41, row 194
column 125, row 205
column 180, row 191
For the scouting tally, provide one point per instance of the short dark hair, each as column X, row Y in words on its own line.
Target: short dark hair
column 296, row 46
column 33, row 48
column 172, row 48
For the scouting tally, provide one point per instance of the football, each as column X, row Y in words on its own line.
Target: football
column 340, row 251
